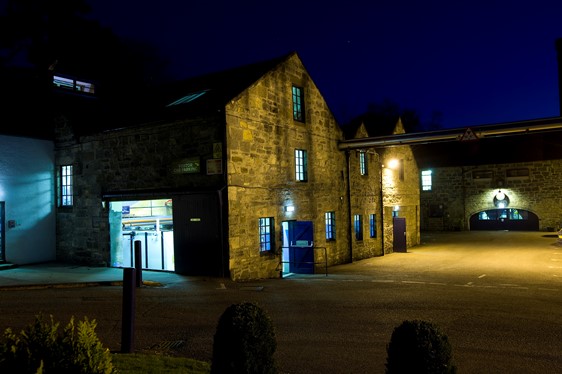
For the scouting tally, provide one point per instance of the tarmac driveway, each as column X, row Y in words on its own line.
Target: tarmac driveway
column 496, row 294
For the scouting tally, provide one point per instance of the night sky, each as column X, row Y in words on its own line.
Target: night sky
column 476, row 62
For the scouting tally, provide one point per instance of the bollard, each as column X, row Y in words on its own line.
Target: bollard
column 128, row 316
column 138, row 262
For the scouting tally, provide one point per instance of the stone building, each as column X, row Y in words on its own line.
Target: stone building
column 236, row 174
column 395, row 185
column 504, row 177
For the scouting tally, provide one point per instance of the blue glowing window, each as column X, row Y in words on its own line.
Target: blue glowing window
column 373, row 225
column 358, row 225
column 65, row 186
column 330, row 218
column 301, row 165
column 267, row 234
column 298, row 104
column 363, row 163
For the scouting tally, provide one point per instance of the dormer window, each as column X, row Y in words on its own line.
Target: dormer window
column 73, row 85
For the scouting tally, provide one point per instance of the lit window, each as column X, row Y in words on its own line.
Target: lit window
column 84, row 87
column 401, row 170
column 301, row 172
column 373, row 225
column 298, row 104
column 73, row 85
column 330, row 218
column 267, row 234
column 66, row 186
column 62, row 82
column 363, row 163
column 358, row 225
column 426, row 180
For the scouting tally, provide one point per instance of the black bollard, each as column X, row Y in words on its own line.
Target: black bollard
column 128, row 317
column 138, row 261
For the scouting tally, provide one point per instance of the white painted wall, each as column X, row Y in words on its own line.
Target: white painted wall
column 27, row 186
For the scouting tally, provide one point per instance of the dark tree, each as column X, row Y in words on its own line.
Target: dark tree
column 57, row 35
column 380, row 119
column 42, row 38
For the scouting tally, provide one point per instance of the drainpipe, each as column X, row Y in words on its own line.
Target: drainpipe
column 381, row 206
column 349, row 219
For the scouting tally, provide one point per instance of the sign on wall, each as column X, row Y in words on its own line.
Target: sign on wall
column 214, row 166
column 187, row 166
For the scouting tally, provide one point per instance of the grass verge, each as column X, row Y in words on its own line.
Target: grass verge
column 129, row 363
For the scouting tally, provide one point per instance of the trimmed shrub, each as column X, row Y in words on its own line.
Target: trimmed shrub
column 419, row 347
column 41, row 348
column 244, row 341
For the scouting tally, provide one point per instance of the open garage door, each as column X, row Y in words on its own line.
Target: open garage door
column 505, row 219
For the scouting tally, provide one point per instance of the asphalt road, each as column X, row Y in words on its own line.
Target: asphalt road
column 497, row 295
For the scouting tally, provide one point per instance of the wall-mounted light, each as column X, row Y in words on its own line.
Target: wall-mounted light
column 501, row 200
column 289, row 208
column 500, row 195
column 392, row 164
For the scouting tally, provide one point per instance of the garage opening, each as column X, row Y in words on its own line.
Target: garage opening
column 505, row 219
column 150, row 222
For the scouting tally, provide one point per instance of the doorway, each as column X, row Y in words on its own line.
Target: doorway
column 511, row 219
column 298, row 247
column 399, row 234
column 147, row 221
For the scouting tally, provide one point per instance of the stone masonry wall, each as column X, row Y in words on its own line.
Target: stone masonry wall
column 261, row 140
column 131, row 159
column 401, row 194
column 461, row 194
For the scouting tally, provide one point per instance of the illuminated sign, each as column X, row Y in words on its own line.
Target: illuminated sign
column 187, row 166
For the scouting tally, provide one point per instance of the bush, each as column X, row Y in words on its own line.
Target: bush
column 419, row 347
column 40, row 348
column 244, row 341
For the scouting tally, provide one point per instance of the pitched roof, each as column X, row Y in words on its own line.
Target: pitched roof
column 200, row 95
column 376, row 124
column 213, row 90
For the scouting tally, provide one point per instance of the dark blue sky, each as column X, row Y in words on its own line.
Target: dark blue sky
column 476, row 62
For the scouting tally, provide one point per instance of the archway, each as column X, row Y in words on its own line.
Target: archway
column 505, row 219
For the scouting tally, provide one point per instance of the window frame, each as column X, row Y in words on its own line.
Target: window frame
column 66, row 186
column 373, row 225
column 363, row 163
column 301, row 165
column 358, row 226
column 427, row 180
column 266, row 230
column 74, row 85
column 297, row 94
column 330, row 222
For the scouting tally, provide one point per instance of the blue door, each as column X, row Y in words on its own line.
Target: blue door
column 301, row 251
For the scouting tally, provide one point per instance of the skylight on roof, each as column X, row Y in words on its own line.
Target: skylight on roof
column 188, row 98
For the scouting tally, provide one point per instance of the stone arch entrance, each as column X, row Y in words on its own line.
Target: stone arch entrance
column 505, row 219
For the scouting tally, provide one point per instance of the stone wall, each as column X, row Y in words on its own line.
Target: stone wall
column 464, row 191
column 261, row 140
column 133, row 160
column 401, row 194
